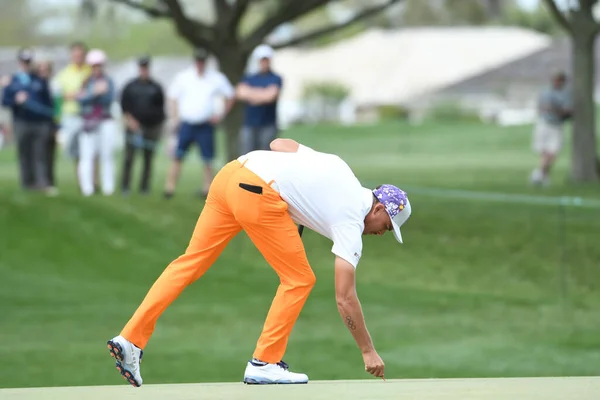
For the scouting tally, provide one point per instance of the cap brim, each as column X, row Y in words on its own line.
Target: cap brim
column 397, row 233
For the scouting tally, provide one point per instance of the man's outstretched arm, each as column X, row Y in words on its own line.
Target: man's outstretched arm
column 351, row 312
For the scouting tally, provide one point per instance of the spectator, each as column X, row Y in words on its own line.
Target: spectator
column 68, row 83
column 45, row 70
column 192, row 102
column 143, row 105
column 28, row 96
column 260, row 91
column 554, row 109
column 95, row 100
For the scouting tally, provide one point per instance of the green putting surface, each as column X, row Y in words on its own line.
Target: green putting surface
column 580, row 388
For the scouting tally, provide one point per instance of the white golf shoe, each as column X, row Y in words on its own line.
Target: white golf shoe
column 128, row 358
column 270, row 374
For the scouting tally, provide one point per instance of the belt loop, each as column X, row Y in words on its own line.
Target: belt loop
column 271, row 182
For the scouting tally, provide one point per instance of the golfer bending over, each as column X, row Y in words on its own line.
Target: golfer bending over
column 265, row 193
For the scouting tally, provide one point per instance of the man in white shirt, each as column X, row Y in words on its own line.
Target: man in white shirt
column 192, row 102
column 266, row 193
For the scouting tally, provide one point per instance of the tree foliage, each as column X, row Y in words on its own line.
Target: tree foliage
column 231, row 41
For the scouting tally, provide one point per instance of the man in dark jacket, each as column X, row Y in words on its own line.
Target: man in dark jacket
column 143, row 103
column 28, row 97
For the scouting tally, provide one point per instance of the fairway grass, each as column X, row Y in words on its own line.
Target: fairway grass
column 479, row 289
column 580, row 388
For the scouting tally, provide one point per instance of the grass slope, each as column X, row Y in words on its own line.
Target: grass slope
column 475, row 291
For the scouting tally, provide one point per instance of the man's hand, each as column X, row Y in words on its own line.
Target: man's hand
column 373, row 363
column 5, row 81
column 21, row 97
column 131, row 123
column 71, row 96
column 215, row 119
column 242, row 91
column 100, row 87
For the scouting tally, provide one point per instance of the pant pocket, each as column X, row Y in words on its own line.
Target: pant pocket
column 248, row 203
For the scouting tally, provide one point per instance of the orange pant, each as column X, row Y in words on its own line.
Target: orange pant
column 229, row 209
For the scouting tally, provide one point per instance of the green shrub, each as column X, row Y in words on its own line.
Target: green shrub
column 393, row 113
column 452, row 111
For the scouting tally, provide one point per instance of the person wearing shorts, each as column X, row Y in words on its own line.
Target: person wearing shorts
column 554, row 109
column 193, row 113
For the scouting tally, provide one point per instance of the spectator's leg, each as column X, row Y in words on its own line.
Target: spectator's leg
column 41, row 136
column 106, row 157
column 265, row 136
column 184, row 140
column 85, row 167
column 538, row 145
column 206, row 143
column 127, row 162
column 51, row 156
column 246, row 140
column 151, row 137
column 547, row 142
column 71, row 130
column 23, row 139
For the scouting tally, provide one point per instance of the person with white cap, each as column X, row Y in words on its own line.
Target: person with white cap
column 260, row 91
column 265, row 194
column 97, row 138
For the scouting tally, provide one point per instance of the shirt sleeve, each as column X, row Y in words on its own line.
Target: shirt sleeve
column 225, row 87
column 174, row 89
column 246, row 79
column 347, row 242
column 302, row 149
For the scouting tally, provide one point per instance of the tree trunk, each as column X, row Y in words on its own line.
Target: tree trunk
column 584, row 160
column 232, row 62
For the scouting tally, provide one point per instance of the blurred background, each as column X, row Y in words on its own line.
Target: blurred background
column 484, row 111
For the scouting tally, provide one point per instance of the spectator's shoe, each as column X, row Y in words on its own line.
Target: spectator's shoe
column 128, row 357
column 168, row 195
column 536, row 177
column 259, row 373
column 51, row 191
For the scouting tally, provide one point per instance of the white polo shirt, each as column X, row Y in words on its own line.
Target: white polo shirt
column 197, row 95
column 322, row 193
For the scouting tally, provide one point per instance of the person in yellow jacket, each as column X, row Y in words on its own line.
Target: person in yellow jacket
column 68, row 83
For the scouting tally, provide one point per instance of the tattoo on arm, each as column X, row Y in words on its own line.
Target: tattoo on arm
column 350, row 323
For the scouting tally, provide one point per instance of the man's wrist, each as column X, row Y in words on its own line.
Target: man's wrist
column 367, row 349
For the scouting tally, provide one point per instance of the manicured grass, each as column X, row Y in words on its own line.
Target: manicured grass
column 479, row 289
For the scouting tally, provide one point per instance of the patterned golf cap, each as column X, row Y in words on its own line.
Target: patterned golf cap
column 396, row 204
